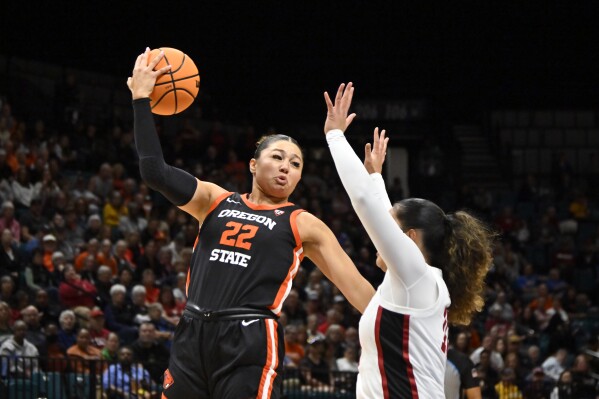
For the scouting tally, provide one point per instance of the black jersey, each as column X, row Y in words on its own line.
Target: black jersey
column 246, row 255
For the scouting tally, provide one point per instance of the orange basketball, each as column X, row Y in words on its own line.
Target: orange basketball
column 175, row 90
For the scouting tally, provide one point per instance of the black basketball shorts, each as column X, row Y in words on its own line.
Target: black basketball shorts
column 225, row 359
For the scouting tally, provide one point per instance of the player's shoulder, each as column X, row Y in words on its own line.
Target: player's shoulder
column 310, row 227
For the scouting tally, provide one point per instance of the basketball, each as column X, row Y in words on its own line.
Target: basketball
column 174, row 91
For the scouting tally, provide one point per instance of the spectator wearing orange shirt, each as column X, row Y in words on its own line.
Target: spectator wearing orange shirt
column 82, row 352
column 294, row 351
column 106, row 257
column 49, row 246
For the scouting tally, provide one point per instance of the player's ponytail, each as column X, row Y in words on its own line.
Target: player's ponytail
column 459, row 245
column 469, row 250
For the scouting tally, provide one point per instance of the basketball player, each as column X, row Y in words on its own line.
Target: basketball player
column 228, row 343
column 428, row 257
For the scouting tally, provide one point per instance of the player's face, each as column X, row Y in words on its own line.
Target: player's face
column 279, row 169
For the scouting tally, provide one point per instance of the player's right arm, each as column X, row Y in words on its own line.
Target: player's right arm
column 179, row 187
column 401, row 255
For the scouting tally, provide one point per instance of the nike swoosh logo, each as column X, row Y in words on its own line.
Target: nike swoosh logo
column 246, row 323
column 230, row 200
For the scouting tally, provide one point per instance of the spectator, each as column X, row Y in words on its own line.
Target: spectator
column 149, row 282
column 119, row 314
column 104, row 284
column 172, row 310
column 111, row 349
column 11, row 262
column 20, row 355
column 5, row 321
column 153, row 355
column 294, row 350
column 49, row 310
column 538, row 386
column 349, row 361
column 49, row 246
column 91, row 249
column 293, row 308
column 82, row 352
column 67, row 333
column 101, row 184
column 506, row 388
column 554, row 365
column 74, row 291
column 180, row 290
column 38, row 277
column 106, row 257
column 488, row 344
column 8, row 221
column 564, row 388
column 138, row 299
column 583, row 383
column 97, row 333
column 127, row 379
column 114, row 210
column 35, row 333
column 315, row 370
column 164, row 328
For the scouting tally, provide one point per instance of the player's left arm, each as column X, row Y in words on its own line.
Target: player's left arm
column 473, row 393
column 322, row 247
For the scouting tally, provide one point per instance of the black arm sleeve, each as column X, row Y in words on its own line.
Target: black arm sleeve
column 175, row 184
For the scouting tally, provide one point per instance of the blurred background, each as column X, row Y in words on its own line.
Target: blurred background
column 490, row 106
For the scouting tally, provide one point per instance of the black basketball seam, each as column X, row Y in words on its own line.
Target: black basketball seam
column 178, row 79
column 172, row 79
column 174, row 89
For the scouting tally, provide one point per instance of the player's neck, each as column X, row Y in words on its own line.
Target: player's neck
column 259, row 197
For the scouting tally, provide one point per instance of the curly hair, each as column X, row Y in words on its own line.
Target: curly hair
column 459, row 244
column 470, row 256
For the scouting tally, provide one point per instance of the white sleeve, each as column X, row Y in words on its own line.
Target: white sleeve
column 380, row 190
column 402, row 257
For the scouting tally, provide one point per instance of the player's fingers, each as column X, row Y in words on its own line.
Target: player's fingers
column 163, row 70
column 156, row 59
column 349, row 94
column 339, row 95
column 381, row 139
column 349, row 120
column 137, row 61
column 367, row 150
column 328, row 101
column 375, row 137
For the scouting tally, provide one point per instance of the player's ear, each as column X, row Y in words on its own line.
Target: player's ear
column 253, row 166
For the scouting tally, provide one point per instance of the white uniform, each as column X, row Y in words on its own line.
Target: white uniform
column 403, row 332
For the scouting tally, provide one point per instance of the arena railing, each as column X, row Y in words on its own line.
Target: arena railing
column 69, row 378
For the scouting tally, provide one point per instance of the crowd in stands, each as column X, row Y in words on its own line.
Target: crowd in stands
column 92, row 261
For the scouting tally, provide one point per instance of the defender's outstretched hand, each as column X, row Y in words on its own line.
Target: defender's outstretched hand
column 374, row 155
column 337, row 117
column 142, row 81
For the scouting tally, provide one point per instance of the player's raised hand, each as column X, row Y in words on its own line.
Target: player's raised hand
column 374, row 154
column 337, row 113
column 142, row 81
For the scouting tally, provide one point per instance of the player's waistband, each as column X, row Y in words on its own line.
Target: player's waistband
column 195, row 312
